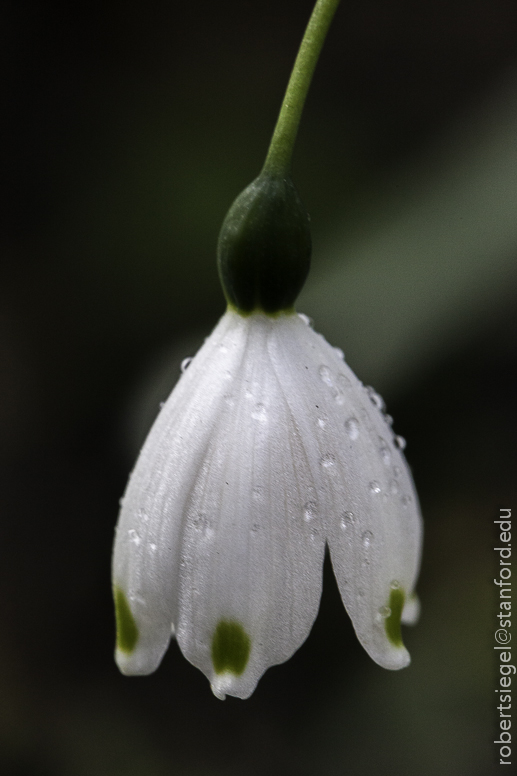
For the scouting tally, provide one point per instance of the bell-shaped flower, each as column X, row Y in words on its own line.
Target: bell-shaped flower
column 268, row 449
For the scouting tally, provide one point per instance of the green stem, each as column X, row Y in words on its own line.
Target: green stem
column 278, row 160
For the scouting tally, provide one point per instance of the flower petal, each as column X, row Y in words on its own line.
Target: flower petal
column 373, row 523
column 148, row 536
column 252, row 551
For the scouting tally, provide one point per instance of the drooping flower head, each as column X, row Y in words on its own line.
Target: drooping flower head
column 268, row 450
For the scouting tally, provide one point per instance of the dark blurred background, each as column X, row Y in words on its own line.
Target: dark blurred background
column 128, row 128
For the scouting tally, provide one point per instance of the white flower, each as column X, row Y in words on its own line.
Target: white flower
column 268, row 449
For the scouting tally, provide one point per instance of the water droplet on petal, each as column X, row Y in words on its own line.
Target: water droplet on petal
column 161, row 404
column 327, row 461
column 394, row 487
column 343, row 382
column 367, row 539
column 375, row 487
column 325, row 374
column 153, row 547
column 322, row 422
column 394, row 584
column 352, row 428
column 310, row 510
column 397, row 471
column 339, row 353
column 375, row 398
column 388, row 419
column 347, row 521
column 257, row 493
column 405, row 501
column 259, row 413
column 255, row 528
column 384, row 612
column 185, row 364
column 385, row 452
column 305, row 318
column 134, row 537
column 400, row 442
column 203, row 524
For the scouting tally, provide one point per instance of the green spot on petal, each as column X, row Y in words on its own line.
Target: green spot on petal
column 231, row 647
column 127, row 630
column 392, row 624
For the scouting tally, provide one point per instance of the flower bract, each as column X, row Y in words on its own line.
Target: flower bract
column 268, row 450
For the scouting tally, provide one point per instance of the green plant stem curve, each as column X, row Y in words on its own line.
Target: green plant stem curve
column 278, row 160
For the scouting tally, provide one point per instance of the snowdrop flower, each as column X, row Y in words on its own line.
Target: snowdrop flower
column 268, row 450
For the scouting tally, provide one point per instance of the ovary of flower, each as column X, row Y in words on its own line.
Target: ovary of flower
column 268, row 449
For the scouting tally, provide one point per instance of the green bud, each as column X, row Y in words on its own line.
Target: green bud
column 264, row 248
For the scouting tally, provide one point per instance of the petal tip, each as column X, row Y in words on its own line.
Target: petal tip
column 127, row 629
column 411, row 610
column 231, row 648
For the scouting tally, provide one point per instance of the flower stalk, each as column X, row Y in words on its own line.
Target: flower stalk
column 264, row 247
column 279, row 157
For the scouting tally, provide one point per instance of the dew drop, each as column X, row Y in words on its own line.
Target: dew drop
column 259, row 413
column 185, row 364
column 142, row 515
column 405, row 501
column 203, row 524
column 347, row 521
column 400, row 442
column 161, row 404
column 153, row 547
column 134, row 537
column 394, row 487
column 257, row 493
column 384, row 612
column 385, row 452
column 137, row 599
column 367, row 539
column 352, row 428
column 327, row 461
column 310, row 510
column 305, row 318
column 388, row 419
column 394, row 584
column 343, row 382
column 375, row 398
column 325, row 374
column 255, row 528
column 375, row 487
column 397, row 471
column 339, row 353
column 322, row 422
